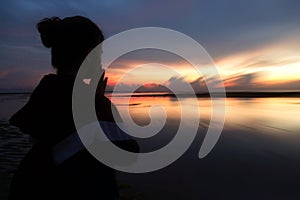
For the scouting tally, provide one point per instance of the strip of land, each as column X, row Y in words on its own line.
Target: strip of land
column 227, row 94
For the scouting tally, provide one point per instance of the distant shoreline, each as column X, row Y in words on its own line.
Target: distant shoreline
column 205, row 95
column 228, row 95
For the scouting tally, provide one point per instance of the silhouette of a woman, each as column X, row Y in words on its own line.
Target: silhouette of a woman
column 47, row 117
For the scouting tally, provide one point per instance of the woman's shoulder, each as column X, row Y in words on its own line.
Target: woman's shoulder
column 49, row 77
column 53, row 82
column 46, row 80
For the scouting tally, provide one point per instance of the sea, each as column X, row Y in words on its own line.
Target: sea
column 256, row 156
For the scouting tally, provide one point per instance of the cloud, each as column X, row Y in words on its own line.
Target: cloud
column 149, row 87
column 269, row 62
column 244, row 82
column 145, row 56
column 3, row 74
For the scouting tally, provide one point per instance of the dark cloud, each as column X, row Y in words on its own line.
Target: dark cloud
column 226, row 27
column 150, row 87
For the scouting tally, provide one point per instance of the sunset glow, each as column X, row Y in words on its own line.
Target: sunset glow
column 269, row 68
column 251, row 53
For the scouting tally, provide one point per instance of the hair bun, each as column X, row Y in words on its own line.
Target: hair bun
column 49, row 30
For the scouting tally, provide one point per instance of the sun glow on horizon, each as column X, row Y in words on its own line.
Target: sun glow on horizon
column 273, row 66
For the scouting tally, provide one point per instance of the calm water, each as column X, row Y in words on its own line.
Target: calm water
column 271, row 117
column 268, row 115
column 257, row 155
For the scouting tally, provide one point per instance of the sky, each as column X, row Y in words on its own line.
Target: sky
column 255, row 44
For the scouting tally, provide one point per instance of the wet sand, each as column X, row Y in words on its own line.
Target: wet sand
column 5, row 179
column 13, row 147
column 243, row 165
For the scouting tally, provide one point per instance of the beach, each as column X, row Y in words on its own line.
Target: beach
column 256, row 157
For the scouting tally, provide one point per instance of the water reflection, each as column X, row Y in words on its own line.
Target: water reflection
column 261, row 114
column 265, row 115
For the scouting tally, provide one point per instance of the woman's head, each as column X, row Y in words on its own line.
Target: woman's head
column 70, row 40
